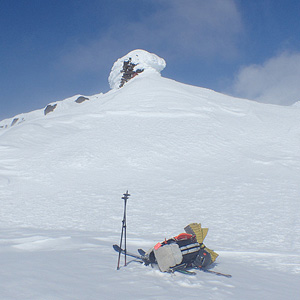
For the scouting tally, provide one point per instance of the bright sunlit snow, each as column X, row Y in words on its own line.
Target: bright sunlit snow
column 186, row 154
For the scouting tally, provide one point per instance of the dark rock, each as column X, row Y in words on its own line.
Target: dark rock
column 81, row 99
column 49, row 108
column 14, row 121
column 128, row 71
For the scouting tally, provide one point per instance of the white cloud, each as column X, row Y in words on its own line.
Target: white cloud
column 180, row 29
column 92, row 56
column 198, row 27
column 276, row 81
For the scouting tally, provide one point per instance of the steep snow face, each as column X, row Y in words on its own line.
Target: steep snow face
column 133, row 63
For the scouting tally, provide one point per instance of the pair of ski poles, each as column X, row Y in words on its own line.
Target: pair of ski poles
column 123, row 232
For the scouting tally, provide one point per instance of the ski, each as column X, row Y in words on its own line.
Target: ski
column 142, row 258
column 185, row 270
column 214, row 272
column 182, row 268
column 118, row 249
column 142, row 252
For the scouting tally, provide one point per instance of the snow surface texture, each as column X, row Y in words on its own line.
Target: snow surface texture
column 186, row 154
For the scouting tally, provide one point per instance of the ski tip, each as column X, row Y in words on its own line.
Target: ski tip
column 116, row 248
column 141, row 252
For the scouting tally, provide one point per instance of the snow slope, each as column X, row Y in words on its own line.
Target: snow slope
column 186, row 154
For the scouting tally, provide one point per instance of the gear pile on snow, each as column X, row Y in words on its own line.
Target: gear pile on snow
column 185, row 250
column 133, row 63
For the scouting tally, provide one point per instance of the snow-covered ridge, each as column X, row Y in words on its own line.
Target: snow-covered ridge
column 137, row 61
column 56, row 107
column 296, row 104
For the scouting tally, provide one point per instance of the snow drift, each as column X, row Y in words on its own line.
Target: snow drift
column 186, row 154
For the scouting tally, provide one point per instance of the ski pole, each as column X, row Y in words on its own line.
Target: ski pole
column 125, row 198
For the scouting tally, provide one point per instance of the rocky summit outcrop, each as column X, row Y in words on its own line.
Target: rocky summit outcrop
column 132, row 64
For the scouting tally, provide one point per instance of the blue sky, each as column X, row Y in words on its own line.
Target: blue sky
column 53, row 49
